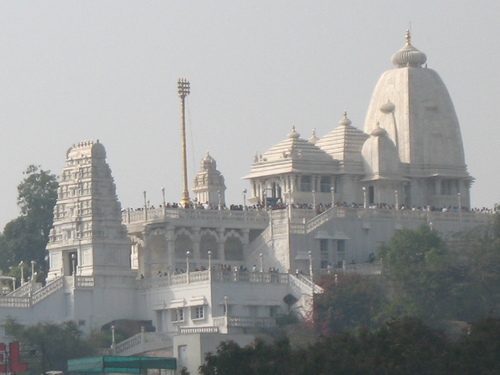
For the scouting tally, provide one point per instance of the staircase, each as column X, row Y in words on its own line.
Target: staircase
column 141, row 343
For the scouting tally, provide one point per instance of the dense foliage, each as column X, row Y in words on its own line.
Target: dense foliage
column 399, row 347
column 423, row 275
column 435, row 279
column 349, row 301
column 25, row 238
column 48, row 346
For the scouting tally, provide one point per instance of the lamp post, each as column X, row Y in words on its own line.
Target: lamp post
column 397, row 199
column 310, row 264
column 261, row 256
column 314, row 199
column 21, row 264
column 365, row 202
column 113, row 340
column 183, row 89
column 332, row 190
column 460, row 207
column 145, row 205
column 188, row 253
column 73, row 264
column 33, row 270
column 244, row 199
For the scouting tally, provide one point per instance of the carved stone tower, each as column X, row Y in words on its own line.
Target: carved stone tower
column 209, row 186
column 88, row 237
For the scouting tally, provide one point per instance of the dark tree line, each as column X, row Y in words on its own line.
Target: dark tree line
column 405, row 346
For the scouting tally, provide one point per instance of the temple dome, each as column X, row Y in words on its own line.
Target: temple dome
column 413, row 105
column 380, row 157
column 293, row 154
column 344, row 143
column 409, row 55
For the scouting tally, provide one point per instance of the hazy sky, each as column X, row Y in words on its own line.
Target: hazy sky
column 108, row 70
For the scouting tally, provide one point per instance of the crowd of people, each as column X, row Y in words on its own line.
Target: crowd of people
column 320, row 207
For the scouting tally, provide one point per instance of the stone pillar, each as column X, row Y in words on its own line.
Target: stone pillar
column 220, row 244
column 196, row 246
column 170, row 236
column 147, row 253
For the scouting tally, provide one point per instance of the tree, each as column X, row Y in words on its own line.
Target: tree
column 404, row 346
column 37, row 196
column 349, row 301
column 435, row 280
column 25, row 238
column 400, row 347
column 259, row 358
column 48, row 346
column 478, row 351
column 477, row 259
column 417, row 262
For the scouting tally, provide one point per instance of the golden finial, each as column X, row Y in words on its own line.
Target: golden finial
column 408, row 38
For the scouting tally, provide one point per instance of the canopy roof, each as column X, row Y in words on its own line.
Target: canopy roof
column 131, row 365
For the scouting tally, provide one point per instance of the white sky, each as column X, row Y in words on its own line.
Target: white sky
column 108, row 70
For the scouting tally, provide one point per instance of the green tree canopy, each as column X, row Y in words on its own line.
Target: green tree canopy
column 349, row 301
column 25, row 238
column 48, row 346
column 436, row 279
column 404, row 346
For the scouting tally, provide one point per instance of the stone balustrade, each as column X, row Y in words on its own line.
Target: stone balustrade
column 213, row 276
column 189, row 214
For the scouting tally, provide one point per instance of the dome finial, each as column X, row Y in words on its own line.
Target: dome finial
column 345, row 121
column 293, row 133
column 409, row 55
column 313, row 138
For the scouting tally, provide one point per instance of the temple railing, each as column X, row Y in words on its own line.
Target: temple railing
column 167, row 214
column 244, row 321
column 213, row 276
column 30, row 297
column 142, row 342
column 307, row 226
column 188, row 330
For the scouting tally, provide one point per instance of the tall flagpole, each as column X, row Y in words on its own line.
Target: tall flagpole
column 183, row 90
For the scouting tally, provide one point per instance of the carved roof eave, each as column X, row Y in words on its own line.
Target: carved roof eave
column 377, row 177
column 286, row 167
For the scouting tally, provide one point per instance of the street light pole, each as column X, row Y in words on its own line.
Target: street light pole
column 261, row 256
column 183, row 89
column 397, row 199
column 33, row 270
column 314, row 199
column 460, row 207
column 21, row 264
column 365, row 202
